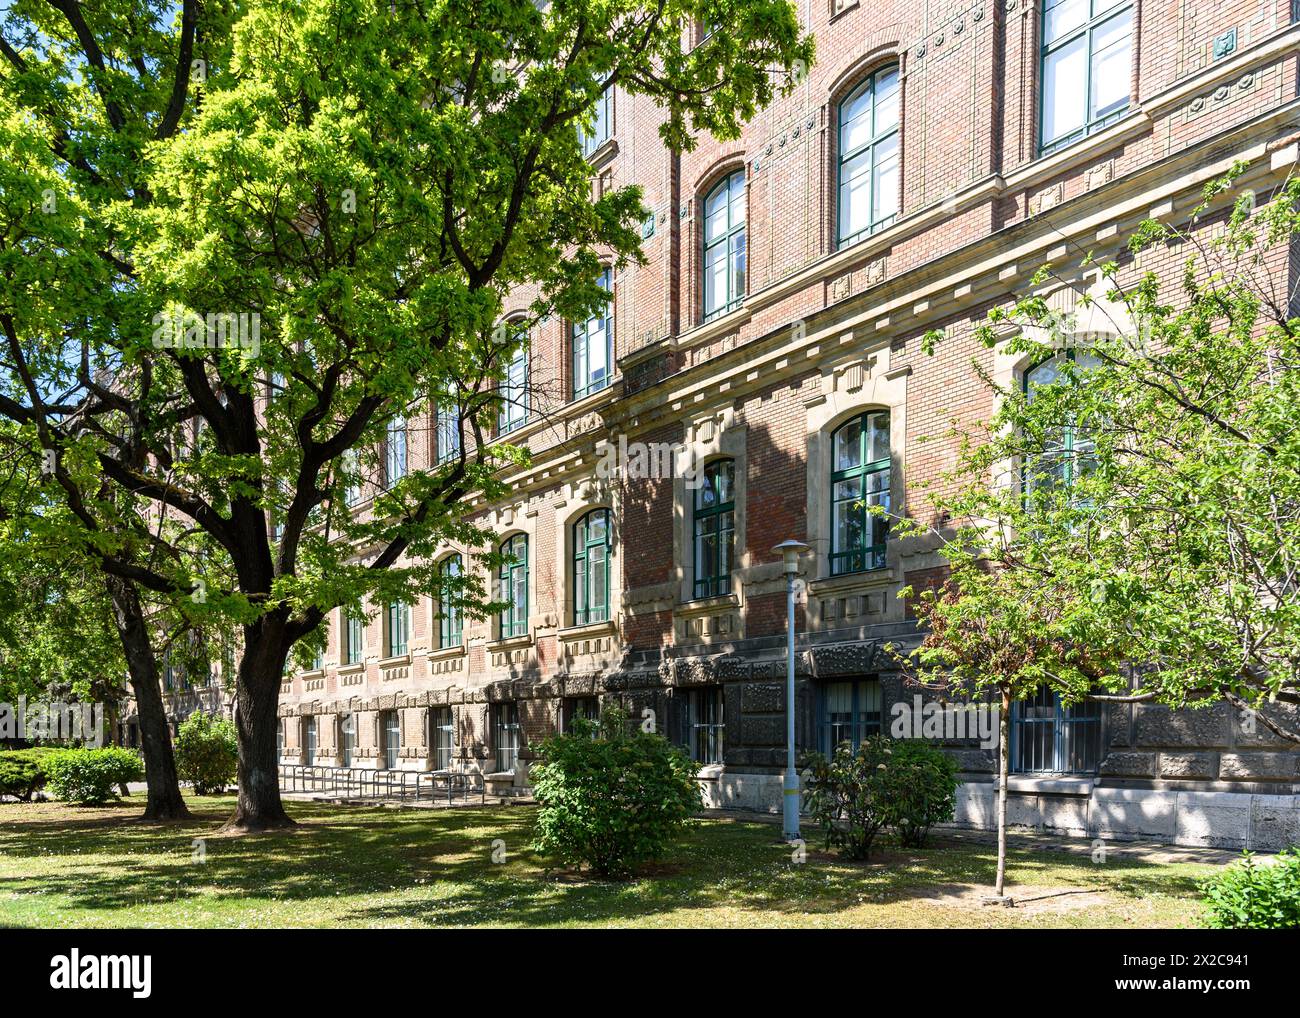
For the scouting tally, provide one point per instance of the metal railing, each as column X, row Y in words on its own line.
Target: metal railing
column 362, row 783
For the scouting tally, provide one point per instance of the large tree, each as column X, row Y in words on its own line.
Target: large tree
column 365, row 183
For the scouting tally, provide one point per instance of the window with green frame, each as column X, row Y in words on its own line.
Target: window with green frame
column 868, row 157
column 1087, row 66
column 847, row 712
column 514, row 395
column 449, row 613
column 724, row 246
column 1068, row 451
column 353, row 638
column 514, row 587
column 591, row 541
column 714, row 521
column 397, row 628
column 593, row 347
column 860, row 479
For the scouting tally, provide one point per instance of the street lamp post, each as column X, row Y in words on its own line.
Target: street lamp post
column 790, row 550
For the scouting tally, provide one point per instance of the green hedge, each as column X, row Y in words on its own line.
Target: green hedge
column 22, row 772
column 90, row 777
column 1255, row 896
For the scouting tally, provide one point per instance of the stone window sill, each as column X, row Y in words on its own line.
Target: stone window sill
column 1063, row 785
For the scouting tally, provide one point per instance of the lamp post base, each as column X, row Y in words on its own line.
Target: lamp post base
column 790, row 807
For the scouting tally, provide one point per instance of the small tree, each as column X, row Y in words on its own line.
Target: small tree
column 207, row 753
column 611, row 797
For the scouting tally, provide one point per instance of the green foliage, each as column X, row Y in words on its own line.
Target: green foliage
column 1144, row 507
column 1255, row 896
column 920, row 787
column 847, row 795
column 611, row 798
column 22, row 772
column 207, row 752
column 90, row 777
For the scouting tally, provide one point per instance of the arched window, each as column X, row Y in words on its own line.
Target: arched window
column 859, row 480
column 449, row 614
column 514, row 393
column 1068, row 450
column 868, row 157
column 514, row 586
column 724, row 246
column 591, row 536
column 715, row 529
column 593, row 347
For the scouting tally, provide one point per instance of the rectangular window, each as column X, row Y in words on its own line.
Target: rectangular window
column 353, row 638
column 1049, row 738
column 392, row 737
column 352, row 484
column 348, row 737
column 705, row 724
column 443, row 733
column 506, row 735
column 603, row 124
column 847, row 712
column 1087, row 62
column 447, row 433
column 514, row 395
column 593, row 348
column 586, row 707
column 397, row 629
column 309, row 740
column 395, row 452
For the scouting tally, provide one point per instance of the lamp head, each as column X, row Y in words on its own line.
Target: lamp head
column 790, row 550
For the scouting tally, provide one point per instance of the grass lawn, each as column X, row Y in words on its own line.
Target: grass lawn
column 66, row 867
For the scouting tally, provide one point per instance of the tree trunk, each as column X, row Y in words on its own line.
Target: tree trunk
column 1004, row 766
column 257, row 695
column 164, row 798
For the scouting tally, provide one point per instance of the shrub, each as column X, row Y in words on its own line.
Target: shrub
column 847, row 795
column 611, row 797
column 207, row 754
column 90, row 777
column 1254, row 896
column 22, row 773
column 920, row 790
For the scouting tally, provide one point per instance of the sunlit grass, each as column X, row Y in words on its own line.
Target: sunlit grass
column 65, row 867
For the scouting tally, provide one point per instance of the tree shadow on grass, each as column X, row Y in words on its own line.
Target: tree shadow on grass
column 374, row 866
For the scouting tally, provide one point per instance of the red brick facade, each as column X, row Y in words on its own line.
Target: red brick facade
column 823, row 334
